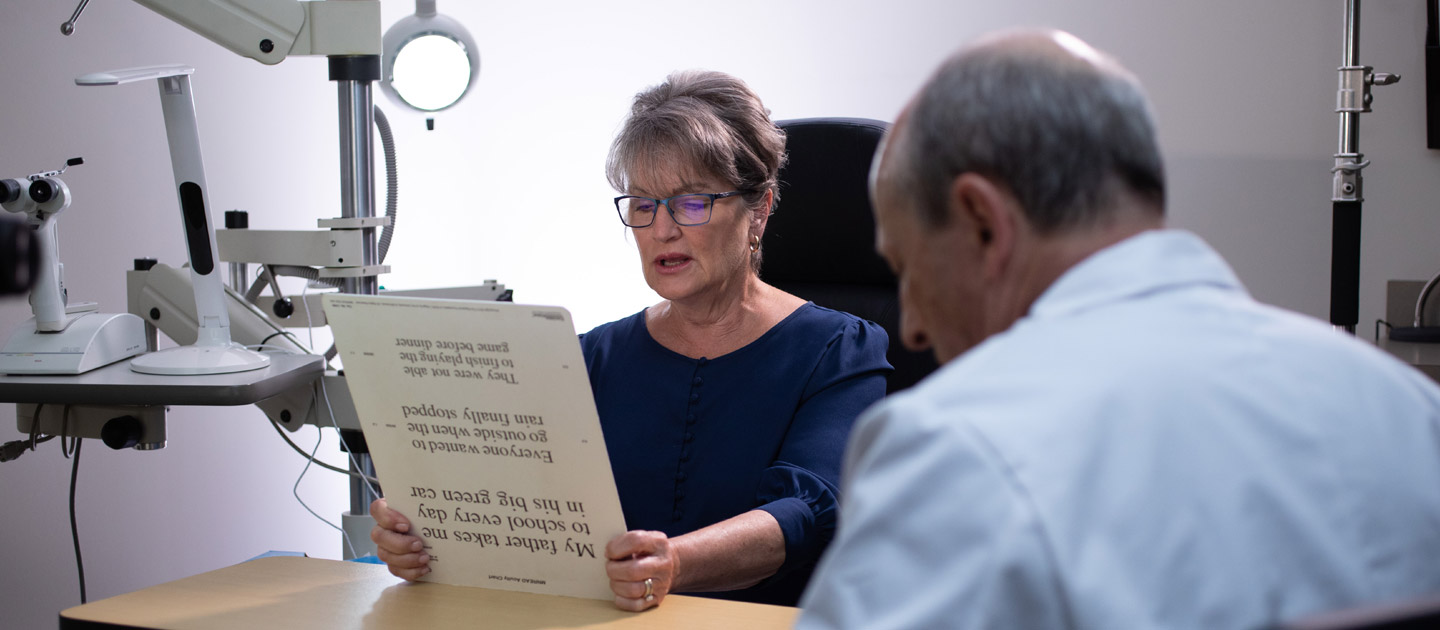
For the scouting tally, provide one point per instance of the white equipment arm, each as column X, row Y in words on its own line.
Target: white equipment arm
column 270, row 30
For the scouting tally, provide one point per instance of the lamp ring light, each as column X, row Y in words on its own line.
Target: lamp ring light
column 429, row 60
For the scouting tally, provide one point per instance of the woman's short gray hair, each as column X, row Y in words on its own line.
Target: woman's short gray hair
column 1059, row 135
column 706, row 120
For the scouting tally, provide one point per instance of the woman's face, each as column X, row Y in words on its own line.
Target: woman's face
column 683, row 262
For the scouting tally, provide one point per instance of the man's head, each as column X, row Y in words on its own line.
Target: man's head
column 1023, row 154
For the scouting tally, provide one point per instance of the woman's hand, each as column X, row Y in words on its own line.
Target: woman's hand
column 402, row 552
column 642, row 567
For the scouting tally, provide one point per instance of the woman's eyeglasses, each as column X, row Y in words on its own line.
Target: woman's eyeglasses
column 687, row 209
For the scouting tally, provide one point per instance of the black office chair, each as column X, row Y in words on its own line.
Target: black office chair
column 820, row 243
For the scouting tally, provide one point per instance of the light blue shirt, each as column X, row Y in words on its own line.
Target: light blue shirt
column 1148, row 448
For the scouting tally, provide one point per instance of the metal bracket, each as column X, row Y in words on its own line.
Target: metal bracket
column 354, row 223
column 1355, row 83
column 1354, row 93
column 1348, row 184
column 304, row 405
column 353, row 272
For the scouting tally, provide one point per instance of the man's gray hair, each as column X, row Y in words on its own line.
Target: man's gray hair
column 1059, row 133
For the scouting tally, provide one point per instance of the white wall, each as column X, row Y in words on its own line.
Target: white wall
column 510, row 186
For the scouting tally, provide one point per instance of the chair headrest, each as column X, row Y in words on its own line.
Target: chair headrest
column 822, row 229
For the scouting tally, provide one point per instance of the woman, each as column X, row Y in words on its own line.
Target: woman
column 725, row 406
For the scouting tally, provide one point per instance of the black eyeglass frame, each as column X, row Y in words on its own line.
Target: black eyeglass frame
column 709, row 209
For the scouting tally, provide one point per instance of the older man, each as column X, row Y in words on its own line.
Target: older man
column 1121, row 437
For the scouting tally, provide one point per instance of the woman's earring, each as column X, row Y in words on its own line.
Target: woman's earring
column 754, row 242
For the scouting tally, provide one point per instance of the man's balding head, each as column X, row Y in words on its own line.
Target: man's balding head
column 1061, row 125
column 1024, row 154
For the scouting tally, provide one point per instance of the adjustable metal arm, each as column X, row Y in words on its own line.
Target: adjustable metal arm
column 270, row 30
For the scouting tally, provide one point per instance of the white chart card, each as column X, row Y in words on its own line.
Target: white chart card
column 483, row 430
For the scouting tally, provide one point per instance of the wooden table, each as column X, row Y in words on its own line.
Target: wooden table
column 292, row 592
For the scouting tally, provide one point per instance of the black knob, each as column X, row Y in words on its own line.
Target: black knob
column 284, row 308
column 266, row 46
column 237, row 219
column 122, row 432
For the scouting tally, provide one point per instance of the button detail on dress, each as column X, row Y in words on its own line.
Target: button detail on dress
column 698, row 381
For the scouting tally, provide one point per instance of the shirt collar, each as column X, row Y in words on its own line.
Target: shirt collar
column 1149, row 262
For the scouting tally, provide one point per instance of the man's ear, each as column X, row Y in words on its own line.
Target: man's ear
column 988, row 217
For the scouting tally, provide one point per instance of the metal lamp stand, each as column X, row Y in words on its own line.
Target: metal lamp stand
column 1352, row 99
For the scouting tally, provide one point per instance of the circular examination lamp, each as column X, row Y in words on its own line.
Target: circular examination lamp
column 430, row 60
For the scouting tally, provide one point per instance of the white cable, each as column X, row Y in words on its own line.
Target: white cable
column 326, row 395
column 373, row 490
column 311, row 458
column 331, row 412
column 310, row 326
column 319, row 437
column 291, row 443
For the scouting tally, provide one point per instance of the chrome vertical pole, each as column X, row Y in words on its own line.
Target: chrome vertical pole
column 1347, row 189
column 1346, row 194
column 357, row 171
column 354, row 76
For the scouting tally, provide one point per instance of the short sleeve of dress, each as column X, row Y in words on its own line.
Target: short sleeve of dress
column 800, row 489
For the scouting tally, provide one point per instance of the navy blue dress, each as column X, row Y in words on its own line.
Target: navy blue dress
column 693, row 442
